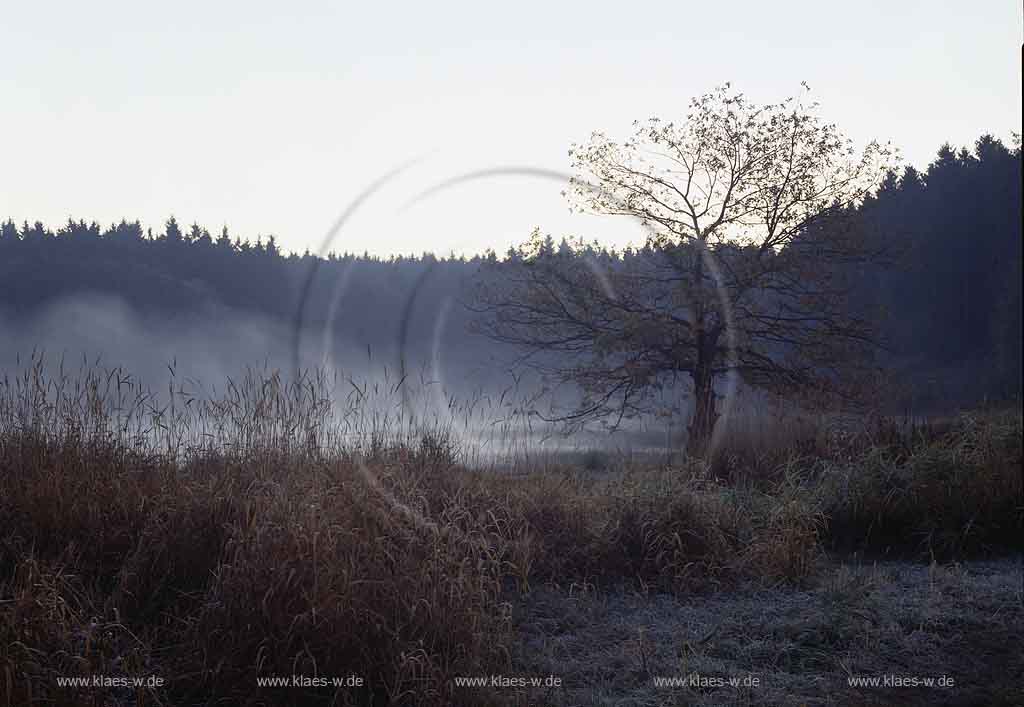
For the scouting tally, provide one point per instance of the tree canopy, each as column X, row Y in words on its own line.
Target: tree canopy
column 758, row 222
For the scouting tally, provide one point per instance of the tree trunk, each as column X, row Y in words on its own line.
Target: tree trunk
column 705, row 415
column 702, row 423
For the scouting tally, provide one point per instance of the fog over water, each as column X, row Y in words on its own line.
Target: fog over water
column 492, row 411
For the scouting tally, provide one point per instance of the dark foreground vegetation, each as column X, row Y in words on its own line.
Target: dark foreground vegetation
column 218, row 542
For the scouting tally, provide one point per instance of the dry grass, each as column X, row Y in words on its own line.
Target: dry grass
column 801, row 643
column 212, row 541
column 957, row 494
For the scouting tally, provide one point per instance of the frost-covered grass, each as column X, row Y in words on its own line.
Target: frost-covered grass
column 216, row 541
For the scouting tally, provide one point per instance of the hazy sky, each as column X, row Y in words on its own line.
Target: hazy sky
column 272, row 117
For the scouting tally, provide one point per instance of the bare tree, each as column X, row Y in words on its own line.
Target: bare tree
column 749, row 214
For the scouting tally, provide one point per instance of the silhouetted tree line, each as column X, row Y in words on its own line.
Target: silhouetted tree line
column 187, row 272
column 948, row 299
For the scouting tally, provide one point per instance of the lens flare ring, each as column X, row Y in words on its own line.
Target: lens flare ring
column 440, row 321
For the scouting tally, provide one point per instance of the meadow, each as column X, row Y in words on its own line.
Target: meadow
column 277, row 529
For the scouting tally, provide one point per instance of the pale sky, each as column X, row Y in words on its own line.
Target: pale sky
column 272, row 117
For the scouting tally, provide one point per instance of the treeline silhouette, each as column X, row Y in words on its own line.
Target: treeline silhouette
column 948, row 297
